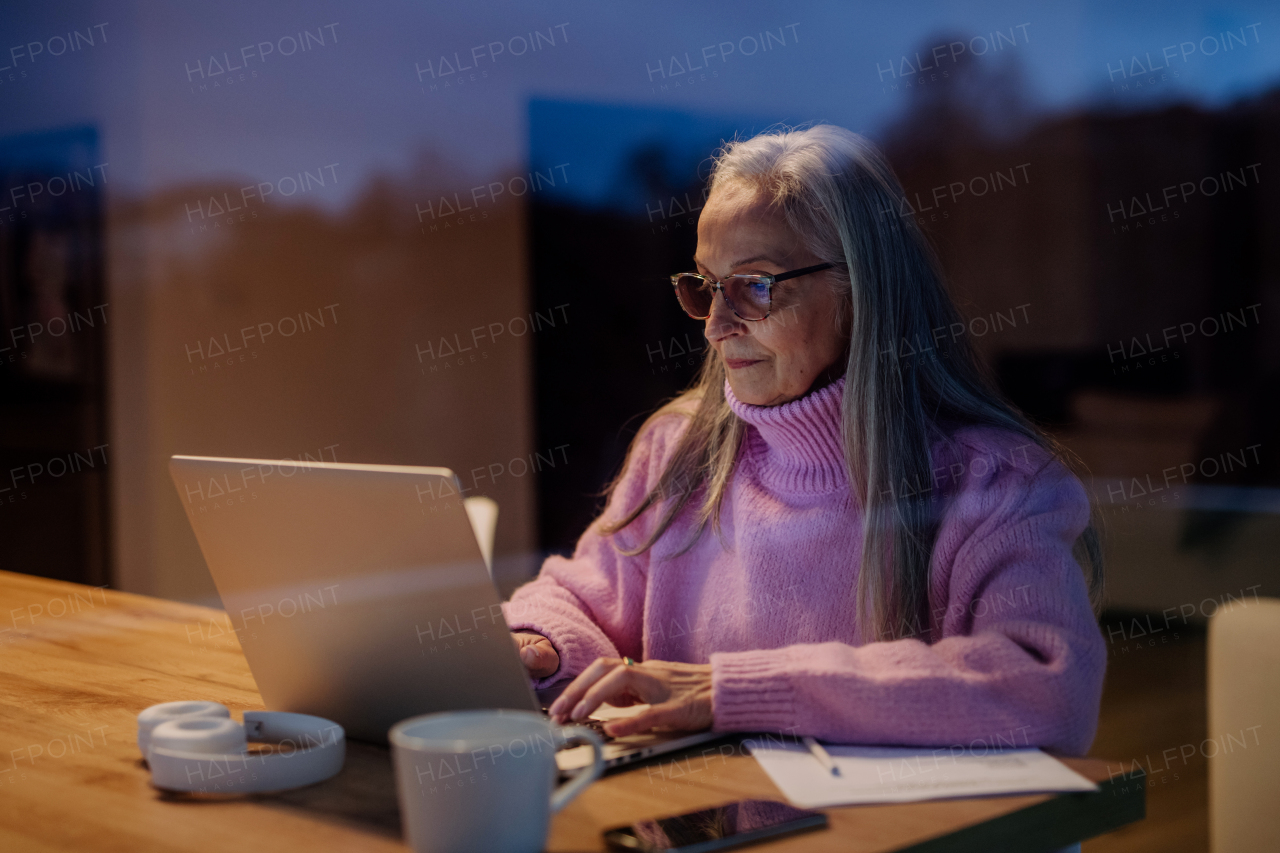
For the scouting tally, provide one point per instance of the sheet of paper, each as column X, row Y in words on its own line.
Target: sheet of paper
column 873, row 774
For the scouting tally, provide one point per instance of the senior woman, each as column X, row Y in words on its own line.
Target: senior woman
column 840, row 529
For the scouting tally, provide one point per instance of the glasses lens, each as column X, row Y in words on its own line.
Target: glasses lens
column 748, row 295
column 695, row 296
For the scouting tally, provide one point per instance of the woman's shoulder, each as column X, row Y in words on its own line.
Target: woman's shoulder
column 999, row 465
column 660, row 434
column 669, row 421
column 647, row 457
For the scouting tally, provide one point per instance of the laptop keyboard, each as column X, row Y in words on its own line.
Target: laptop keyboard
column 596, row 726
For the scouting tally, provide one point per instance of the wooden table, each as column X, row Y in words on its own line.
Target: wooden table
column 80, row 662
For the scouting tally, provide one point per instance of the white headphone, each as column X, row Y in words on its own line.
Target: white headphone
column 196, row 746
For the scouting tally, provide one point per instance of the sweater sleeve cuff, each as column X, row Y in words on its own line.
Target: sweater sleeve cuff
column 752, row 692
column 576, row 648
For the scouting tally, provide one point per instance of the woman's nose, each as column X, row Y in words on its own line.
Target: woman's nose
column 722, row 322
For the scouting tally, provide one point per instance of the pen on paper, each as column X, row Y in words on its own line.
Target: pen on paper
column 821, row 755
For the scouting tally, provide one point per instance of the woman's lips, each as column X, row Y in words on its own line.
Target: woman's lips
column 738, row 363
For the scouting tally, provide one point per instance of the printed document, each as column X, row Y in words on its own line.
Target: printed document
column 874, row 774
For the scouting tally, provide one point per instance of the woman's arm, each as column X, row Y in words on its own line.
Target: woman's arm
column 1020, row 661
column 587, row 606
column 591, row 605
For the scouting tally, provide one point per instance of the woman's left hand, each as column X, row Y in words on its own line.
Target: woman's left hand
column 679, row 695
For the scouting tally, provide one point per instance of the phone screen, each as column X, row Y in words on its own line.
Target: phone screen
column 719, row 828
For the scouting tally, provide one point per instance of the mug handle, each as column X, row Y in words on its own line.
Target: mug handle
column 579, row 734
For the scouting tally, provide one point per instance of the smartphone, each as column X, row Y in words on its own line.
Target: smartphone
column 720, row 828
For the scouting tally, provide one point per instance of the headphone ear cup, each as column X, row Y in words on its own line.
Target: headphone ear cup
column 202, row 735
column 209, row 754
column 152, row 717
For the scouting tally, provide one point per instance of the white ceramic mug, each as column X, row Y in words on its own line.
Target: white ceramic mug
column 485, row 779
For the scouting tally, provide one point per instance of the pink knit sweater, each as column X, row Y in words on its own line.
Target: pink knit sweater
column 1012, row 655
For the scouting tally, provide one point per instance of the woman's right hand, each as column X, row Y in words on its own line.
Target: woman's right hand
column 536, row 653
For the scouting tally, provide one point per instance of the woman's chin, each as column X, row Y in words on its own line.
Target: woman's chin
column 752, row 393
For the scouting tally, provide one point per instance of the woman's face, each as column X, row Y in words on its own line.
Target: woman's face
column 771, row 361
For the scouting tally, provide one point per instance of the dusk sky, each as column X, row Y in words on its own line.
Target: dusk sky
column 362, row 98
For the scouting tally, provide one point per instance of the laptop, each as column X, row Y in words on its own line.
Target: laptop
column 360, row 593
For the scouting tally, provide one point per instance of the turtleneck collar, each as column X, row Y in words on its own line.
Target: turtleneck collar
column 797, row 446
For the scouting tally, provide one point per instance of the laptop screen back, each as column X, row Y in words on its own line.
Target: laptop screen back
column 358, row 592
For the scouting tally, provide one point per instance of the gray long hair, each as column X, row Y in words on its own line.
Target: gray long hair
column 837, row 191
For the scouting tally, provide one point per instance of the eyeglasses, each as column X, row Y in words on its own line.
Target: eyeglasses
column 748, row 296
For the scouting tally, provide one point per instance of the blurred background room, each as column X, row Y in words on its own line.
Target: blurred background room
column 440, row 234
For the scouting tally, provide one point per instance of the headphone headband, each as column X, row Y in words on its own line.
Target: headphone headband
column 195, row 746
